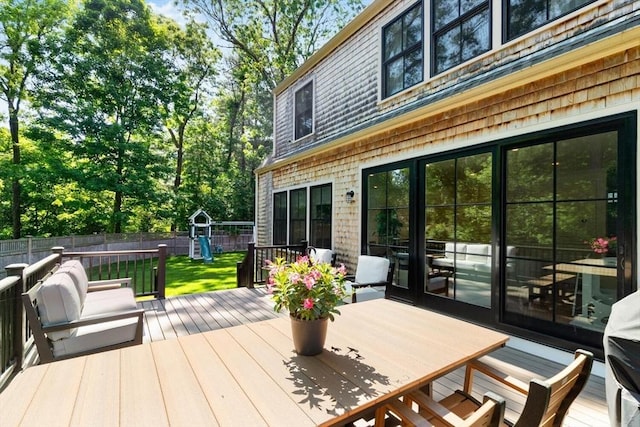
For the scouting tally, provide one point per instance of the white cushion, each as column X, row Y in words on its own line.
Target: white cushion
column 58, row 302
column 109, row 301
column 459, row 248
column 372, row 269
column 369, row 293
column 321, row 255
column 478, row 254
column 96, row 336
column 75, row 269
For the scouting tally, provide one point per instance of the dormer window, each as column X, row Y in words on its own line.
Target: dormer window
column 402, row 58
column 304, row 111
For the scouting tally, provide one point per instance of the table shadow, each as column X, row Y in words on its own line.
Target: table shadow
column 334, row 381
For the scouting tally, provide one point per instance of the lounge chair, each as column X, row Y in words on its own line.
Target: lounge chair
column 373, row 274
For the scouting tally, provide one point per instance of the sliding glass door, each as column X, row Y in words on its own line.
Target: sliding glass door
column 458, row 228
column 562, row 215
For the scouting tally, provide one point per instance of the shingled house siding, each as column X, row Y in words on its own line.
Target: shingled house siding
column 347, row 80
column 606, row 86
column 345, row 88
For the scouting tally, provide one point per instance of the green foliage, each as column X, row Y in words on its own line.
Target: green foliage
column 102, row 96
column 135, row 121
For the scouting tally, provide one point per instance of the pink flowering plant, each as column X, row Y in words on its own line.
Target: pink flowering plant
column 602, row 245
column 308, row 289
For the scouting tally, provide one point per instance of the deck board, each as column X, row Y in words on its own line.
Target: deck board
column 191, row 314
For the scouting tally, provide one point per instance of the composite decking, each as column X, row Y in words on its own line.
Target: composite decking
column 192, row 314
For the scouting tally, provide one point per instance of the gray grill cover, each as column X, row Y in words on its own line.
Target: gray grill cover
column 622, row 356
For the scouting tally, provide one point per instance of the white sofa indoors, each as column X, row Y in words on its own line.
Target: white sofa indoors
column 70, row 316
column 470, row 257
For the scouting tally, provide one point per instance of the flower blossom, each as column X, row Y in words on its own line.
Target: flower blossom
column 308, row 303
column 309, row 281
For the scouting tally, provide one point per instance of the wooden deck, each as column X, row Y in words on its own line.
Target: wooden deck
column 192, row 314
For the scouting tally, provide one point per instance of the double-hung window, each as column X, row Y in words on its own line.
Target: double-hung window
column 461, row 31
column 526, row 15
column 298, row 216
column 280, row 218
column 402, row 58
column 320, row 216
column 303, row 121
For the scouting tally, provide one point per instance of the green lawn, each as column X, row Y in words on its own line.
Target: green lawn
column 186, row 276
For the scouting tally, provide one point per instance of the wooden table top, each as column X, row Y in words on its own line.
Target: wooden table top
column 249, row 375
column 594, row 266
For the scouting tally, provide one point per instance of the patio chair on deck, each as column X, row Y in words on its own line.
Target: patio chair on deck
column 489, row 414
column 322, row 255
column 373, row 274
column 547, row 401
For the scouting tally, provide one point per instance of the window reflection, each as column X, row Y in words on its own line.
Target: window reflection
column 388, row 220
column 402, row 64
column 458, row 228
column 561, row 215
column 461, row 31
column 526, row 15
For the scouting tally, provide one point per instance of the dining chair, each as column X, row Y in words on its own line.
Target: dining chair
column 373, row 274
column 488, row 414
column 547, row 401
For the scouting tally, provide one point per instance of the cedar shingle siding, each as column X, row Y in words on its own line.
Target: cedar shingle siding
column 347, row 104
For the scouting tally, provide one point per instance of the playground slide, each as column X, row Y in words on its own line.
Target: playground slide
column 205, row 249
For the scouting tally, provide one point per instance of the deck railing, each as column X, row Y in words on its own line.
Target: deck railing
column 250, row 271
column 147, row 268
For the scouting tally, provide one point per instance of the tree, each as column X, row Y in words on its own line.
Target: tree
column 25, row 27
column 269, row 39
column 193, row 59
column 102, row 98
column 275, row 36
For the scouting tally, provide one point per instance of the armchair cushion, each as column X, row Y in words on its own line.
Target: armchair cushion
column 371, row 269
column 112, row 300
column 58, row 302
column 321, row 255
column 87, row 338
column 74, row 269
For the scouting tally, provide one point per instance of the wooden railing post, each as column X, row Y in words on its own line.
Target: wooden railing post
column 251, row 261
column 162, row 270
column 18, row 332
column 58, row 250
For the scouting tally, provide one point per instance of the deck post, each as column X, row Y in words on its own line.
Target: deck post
column 18, row 332
column 162, row 270
column 251, row 261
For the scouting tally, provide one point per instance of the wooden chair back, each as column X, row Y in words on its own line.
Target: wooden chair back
column 548, row 401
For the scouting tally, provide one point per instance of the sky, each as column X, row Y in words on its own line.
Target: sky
column 167, row 8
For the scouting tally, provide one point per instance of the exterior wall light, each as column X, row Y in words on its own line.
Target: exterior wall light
column 349, row 196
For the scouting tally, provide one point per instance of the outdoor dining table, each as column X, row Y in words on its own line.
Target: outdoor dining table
column 250, row 375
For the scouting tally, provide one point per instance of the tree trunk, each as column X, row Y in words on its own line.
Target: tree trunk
column 117, row 200
column 15, row 185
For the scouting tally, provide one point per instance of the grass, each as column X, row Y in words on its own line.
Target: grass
column 183, row 276
column 187, row 276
